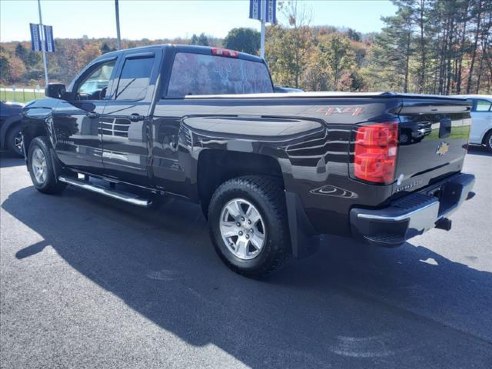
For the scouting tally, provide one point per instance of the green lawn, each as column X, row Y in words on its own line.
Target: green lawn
column 456, row 132
column 20, row 96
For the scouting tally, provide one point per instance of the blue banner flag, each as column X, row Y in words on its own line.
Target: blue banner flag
column 255, row 9
column 49, row 42
column 271, row 11
column 35, row 37
column 258, row 7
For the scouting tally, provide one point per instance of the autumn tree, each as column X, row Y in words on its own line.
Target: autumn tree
column 4, row 68
column 338, row 57
column 88, row 53
column 280, row 56
column 295, row 42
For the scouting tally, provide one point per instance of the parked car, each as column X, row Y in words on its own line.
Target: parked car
column 271, row 171
column 481, row 129
column 10, row 127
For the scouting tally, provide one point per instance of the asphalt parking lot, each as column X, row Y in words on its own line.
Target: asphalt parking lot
column 89, row 282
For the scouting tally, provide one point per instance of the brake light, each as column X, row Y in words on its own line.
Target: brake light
column 224, row 52
column 376, row 146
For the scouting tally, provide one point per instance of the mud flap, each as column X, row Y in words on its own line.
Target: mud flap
column 303, row 237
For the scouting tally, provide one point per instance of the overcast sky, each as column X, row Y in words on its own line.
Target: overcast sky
column 171, row 18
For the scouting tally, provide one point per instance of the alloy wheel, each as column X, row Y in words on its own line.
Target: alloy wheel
column 242, row 229
column 39, row 166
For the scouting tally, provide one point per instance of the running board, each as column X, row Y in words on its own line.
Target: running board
column 123, row 196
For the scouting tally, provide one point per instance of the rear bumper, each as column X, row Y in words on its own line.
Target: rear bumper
column 413, row 214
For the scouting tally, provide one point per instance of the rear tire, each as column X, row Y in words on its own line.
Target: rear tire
column 40, row 166
column 248, row 225
column 488, row 141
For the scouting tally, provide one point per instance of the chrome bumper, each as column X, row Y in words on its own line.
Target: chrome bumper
column 413, row 214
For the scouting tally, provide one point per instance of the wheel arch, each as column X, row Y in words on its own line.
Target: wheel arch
column 32, row 129
column 486, row 135
column 217, row 166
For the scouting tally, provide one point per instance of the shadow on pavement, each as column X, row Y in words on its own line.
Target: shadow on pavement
column 8, row 159
column 478, row 150
column 348, row 305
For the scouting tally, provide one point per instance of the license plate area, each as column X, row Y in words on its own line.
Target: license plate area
column 448, row 195
column 451, row 192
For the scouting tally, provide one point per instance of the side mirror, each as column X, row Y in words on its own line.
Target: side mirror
column 55, row 90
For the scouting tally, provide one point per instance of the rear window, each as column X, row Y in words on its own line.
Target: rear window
column 199, row 74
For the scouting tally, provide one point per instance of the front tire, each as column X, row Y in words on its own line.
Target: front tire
column 248, row 225
column 14, row 141
column 40, row 166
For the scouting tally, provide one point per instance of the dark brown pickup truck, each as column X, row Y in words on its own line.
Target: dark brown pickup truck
column 270, row 170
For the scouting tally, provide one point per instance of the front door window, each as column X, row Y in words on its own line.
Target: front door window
column 95, row 85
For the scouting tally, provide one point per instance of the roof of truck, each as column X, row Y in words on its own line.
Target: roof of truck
column 181, row 48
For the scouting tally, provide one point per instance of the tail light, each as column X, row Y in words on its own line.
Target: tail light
column 376, row 146
column 224, row 52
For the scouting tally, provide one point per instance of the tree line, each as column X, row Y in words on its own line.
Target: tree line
column 21, row 66
column 436, row 46
column 428, row 46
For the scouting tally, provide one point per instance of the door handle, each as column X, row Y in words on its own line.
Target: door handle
column 135, row 117
column 92, row 115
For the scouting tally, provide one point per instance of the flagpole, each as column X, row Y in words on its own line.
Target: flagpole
column 43, row 46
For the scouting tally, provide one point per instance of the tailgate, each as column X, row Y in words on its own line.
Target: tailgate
column 433, row 134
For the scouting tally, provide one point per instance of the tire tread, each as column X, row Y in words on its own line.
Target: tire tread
column 52, row 186
column 270, row 190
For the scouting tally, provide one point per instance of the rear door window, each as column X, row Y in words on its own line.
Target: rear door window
column 483, row 105
column 200, row 74
column 135, row 78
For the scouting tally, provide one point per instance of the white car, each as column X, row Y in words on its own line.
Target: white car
column 481, row 130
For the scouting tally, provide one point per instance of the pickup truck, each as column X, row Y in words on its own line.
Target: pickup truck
column 271, row 171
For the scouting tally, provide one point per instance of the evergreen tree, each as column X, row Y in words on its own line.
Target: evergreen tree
column 21, row 52
column 243, row 39
column 203, row 40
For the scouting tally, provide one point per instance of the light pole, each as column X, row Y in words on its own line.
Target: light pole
column 117, row 13
column 263, row 30
column 43, row 44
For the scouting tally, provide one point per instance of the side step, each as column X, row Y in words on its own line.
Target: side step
column 123, row 196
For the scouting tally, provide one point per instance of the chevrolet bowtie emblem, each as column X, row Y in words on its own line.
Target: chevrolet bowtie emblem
column 442, row 148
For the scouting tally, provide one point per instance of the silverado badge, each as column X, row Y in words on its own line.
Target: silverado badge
column 442, row 148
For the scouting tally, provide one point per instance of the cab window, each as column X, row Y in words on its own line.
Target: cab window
column 95, row 85
column 483, row 105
